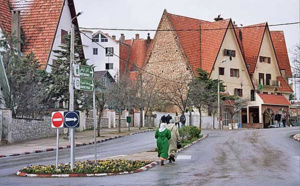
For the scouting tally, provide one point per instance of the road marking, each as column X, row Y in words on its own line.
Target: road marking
column 85, row 157
column 116, row 156
column 184, row 157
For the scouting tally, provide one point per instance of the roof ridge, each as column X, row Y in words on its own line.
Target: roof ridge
column 189, row 17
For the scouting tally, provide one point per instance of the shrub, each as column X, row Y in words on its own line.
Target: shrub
column 194, row 132
column 189, row 132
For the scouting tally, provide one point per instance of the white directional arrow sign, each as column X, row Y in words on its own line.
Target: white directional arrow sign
column 71, row 119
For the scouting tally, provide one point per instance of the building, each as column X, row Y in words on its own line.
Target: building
column 42, row 25
column 256, row 69
column 102, row 51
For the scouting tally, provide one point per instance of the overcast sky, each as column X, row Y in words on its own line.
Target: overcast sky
column 146, row 14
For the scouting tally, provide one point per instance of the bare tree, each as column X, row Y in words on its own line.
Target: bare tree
column 296, row 60
column 235, row 107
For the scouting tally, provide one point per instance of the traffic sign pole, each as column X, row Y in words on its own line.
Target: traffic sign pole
column 95, row 123
column 71, row 91
column 57, row 147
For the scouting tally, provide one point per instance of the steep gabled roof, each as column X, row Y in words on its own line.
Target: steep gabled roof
column 39, row 20
column 274, row 99
column 200, row 55
column 252, row 37
column 281, row 51
column 124, row 49
column 5, row 16
column 284, row 86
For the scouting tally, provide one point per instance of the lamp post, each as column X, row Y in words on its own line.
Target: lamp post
column 71, row 91
column 219, row 106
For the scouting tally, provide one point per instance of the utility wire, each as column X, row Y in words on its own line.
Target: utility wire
column 188, row 30
column 135, row 64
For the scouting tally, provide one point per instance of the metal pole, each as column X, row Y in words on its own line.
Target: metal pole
column 71, row 91
column 57, row 147
column 297, row 120
column 219, row 112
column 95, row 123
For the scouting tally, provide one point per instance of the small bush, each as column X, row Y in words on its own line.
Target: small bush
column 189, row 132
column 194, row 132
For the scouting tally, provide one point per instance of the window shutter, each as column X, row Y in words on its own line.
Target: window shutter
column 241, row 92
column 269, row 60
column 225, row 52
column 233, row 53
column 231, row 72
column 238, row 73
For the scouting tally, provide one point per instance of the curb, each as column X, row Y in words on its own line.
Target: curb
column 77, row 145
column 145, row 168
column 296, row 137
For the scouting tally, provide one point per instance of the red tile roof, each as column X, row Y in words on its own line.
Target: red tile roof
column 190, row 40
column 5, row 16
column 39, row 20
column 284, row 86
column 274, row 99
column 124, row 55
column 252, row 36
column 281, row 51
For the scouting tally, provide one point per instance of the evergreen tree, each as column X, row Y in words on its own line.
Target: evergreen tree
column 60, row 71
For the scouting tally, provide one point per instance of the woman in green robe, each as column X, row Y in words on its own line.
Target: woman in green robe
column 163, row 135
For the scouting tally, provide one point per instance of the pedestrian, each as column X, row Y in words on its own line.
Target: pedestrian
column 176, row 120
column 283, row 118
column 163, row 119
column 163, row 135
column 173, row 141
column 168, row 118
column 182, row 119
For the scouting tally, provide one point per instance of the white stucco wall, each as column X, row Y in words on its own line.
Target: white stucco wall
column 101, row 59
column 243, row 81
column 65, row 24
column 272, row 68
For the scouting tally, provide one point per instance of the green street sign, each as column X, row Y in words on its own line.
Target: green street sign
column 83, row 71
column 84, row 84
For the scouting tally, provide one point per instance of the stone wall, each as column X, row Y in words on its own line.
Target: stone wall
column 89, row 123
column 24, row 130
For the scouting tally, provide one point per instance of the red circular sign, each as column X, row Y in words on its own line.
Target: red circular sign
column 57, row 119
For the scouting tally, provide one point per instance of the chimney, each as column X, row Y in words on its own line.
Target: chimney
column 219, row 18
column 148, row 39
column 113, row 37
column 16, row 27
column 137, row 36
column 122, row 38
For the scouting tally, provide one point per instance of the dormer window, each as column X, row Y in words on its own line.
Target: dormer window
column 103, row 38
column 264, row 59
column 95, row 38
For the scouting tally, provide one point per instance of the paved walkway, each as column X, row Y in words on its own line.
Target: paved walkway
column 80, row 138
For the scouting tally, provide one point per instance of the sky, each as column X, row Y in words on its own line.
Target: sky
column 146, row 14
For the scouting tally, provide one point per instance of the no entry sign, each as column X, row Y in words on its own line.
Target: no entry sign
column 57, row 119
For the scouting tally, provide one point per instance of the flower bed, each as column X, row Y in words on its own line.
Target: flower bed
column 87, row 167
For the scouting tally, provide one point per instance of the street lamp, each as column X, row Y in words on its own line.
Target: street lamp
column 219, row 107
column 71, row 90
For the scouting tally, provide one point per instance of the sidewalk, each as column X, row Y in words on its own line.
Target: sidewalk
column 49, row 144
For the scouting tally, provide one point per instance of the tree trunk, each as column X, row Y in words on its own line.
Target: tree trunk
column 213, row 120
column 99, row 122
column 200, row 120
column 120, row 121
column 141, row 118
column 190, row 118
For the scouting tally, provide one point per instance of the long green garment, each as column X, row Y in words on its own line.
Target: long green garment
column 163, row 143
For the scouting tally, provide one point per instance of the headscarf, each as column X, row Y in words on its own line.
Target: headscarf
column 162, row 127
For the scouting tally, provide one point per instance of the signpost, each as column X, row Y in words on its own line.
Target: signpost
column 83, row 71
column 57, row 121
column 84, row 84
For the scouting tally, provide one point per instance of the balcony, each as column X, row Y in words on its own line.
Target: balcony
column 269, row 83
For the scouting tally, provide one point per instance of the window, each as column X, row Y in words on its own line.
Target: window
column 109, row 51
column 261, row 77
column 252, row 95
column 265, row 92
column 103, row 38
column 63, row 35
column 221, row 71
column 238, row 92
column 108, row 66
column 234, row 72
column 229, row 53
column 95, row 51
column 268, row 79
column 264, row 59
column 95, row 38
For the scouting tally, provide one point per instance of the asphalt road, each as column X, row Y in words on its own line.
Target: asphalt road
column 243, row 157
